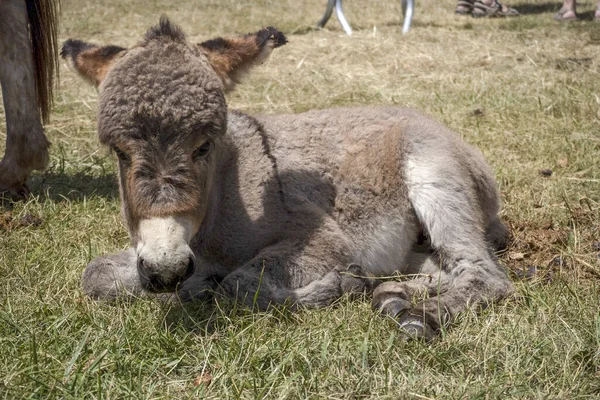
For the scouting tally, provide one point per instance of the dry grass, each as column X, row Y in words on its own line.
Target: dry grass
column 524, row 90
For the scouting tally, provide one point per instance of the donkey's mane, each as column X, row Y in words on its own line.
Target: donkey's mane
column 165, row 28
column 269, row 153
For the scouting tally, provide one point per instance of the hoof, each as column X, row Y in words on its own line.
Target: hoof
column 356, row 280
column 390, row 298
column 413, row 328
column 392, row 306
column 9, row 195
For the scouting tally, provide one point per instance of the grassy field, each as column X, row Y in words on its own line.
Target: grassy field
column 526, row 91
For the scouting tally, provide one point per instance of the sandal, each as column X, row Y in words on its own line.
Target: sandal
column 481, row 9
column 565, row 15
column 464, row 7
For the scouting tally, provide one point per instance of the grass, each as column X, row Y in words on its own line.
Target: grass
column 525, row 91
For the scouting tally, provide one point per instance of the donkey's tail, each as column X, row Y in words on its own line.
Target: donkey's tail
column 43, row 28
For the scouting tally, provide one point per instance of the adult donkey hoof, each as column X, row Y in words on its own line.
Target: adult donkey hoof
column 9, row 195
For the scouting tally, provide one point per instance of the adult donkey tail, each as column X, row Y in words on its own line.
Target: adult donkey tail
column 43, row 28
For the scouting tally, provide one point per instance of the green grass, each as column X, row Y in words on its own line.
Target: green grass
column 525, row 91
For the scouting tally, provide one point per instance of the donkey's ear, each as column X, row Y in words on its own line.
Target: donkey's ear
column 232, row 57
column 92, row 62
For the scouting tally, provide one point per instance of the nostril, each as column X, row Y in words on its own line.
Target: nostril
column 140, row 264
column 150, row 280
column 189, row 270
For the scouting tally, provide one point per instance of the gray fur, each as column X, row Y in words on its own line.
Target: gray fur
column 299, row 208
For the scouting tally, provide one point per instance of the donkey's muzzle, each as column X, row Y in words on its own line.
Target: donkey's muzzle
column 154, row 278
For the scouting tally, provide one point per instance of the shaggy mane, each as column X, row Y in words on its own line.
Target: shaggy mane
column 165, row 29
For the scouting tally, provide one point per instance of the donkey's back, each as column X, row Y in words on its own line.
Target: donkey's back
column 366, row 167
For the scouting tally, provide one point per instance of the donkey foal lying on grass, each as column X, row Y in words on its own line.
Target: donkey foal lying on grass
column 286, row 208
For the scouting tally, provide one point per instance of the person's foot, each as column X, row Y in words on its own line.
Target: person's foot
column 492, row 8
column 566, row 14
column 464, row 7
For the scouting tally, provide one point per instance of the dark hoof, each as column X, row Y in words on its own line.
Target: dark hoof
column 356, row 280
column 13, row 194
column 392, row 306
column 412, row 328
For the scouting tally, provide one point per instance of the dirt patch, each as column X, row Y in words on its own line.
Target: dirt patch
column 536, row 249
column 9, row 222
column 540, row 250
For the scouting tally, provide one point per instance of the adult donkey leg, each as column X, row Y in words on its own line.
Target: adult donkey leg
column 462, row 271
column 26, row 145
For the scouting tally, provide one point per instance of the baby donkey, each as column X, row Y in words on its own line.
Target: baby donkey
column 295, row 209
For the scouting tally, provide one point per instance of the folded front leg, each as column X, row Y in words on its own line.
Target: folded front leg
column 113, row 276
column 300, row 272
column 198, row 287
column 116, row 276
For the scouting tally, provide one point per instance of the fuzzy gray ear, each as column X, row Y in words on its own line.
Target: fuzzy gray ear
column 232, row 57
column 91, row 61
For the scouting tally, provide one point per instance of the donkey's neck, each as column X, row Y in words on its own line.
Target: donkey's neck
column 245, row 196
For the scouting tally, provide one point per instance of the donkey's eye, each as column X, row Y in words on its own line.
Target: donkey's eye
column 201, row 151
column 121, row 154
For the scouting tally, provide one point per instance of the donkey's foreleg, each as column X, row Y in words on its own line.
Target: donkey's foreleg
column 302, row 274
column 116, row 276
column 26, row 145
column 257, row 286
column 113, row 276
column 198, row 287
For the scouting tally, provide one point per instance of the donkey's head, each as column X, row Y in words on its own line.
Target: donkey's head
column 162, row 110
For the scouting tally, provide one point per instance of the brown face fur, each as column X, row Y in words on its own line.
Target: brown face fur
column 163, row 111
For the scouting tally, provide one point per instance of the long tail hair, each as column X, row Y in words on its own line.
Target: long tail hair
column 43, row 27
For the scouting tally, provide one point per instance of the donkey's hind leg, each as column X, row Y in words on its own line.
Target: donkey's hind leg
column 462, row 271
column 396, row 299
column 113, row 276
column 26, row 145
